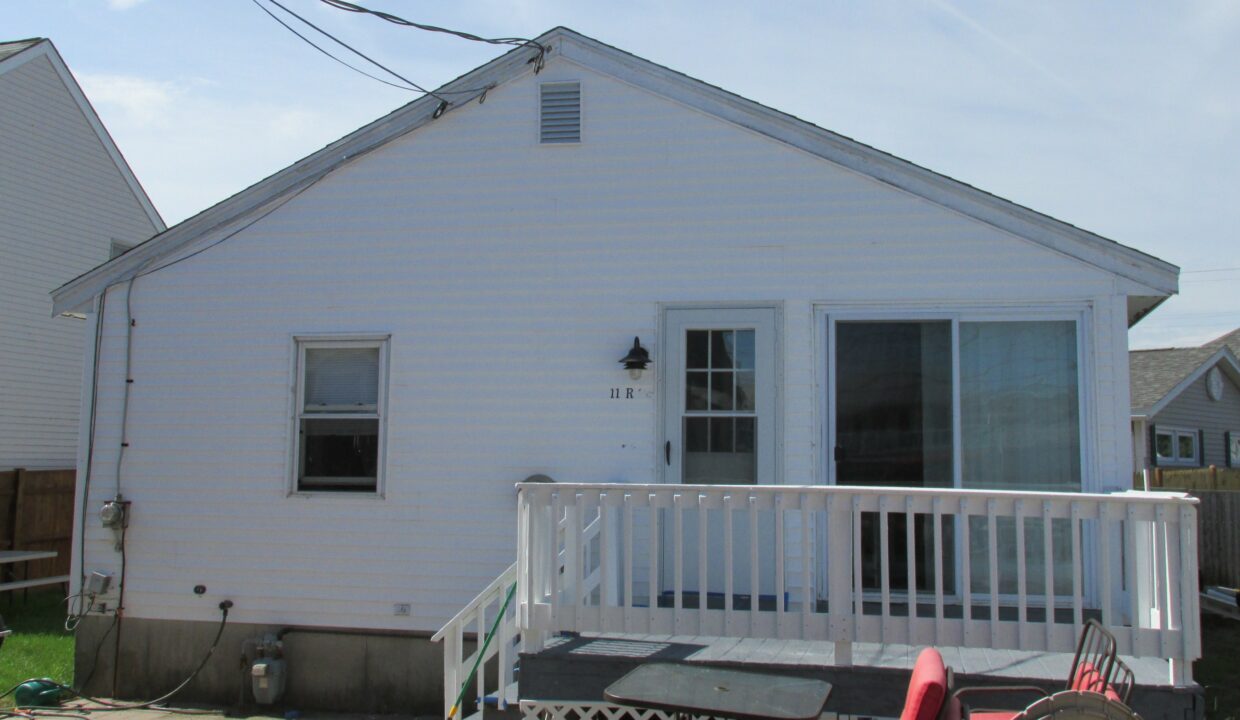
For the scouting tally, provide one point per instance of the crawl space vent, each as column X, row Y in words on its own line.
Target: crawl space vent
column 560, row 113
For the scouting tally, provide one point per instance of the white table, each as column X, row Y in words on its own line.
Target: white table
column 17, row 556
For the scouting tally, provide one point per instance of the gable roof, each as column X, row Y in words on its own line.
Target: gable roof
column 1229, row 340
column 230, row 215
column 1156, row 377
column 16, row 53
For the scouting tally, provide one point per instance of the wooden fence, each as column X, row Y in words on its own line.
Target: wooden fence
column 36, row 513
column 1218, row 517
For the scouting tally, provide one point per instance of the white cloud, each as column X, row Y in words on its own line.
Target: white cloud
column 124, row 4
column 143, row 102
column 193, row 143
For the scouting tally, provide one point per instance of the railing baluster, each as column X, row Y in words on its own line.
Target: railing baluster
column 806, row 562
column 965, row 578
column 1136, row 622
column 1022, row 598
column 729, row 546
column 910, row 564
column 1048, row 573
column 781, row 558
column 575, row 553
column 1162, row 584
column 604, row 560
column 655, row 569
column 884, row 570
column 754, row 587
column 992, row 549
column 1077, row 569
column 703, row 554
column 678, row 563
column 1104, row 561
column 553, row 562
column 858, row 578
column 628, row 560
column 937, row 518
column 480, row 633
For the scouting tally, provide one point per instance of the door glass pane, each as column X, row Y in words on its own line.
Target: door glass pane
column 721, row 345
column 724, row 461
column 1020, row 428
column 894, row 403
column 697, row 349
column 720, row 427
column 745, row 390
column 721, row 391
column 894, row 428
column 695, row 390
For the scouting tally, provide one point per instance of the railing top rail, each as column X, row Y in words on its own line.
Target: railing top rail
column 1131, row 496
column 506, row 578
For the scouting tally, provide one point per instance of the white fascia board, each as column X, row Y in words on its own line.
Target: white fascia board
column 233, row 211
column 1160, row 276
column 46, row 49
column 1224, row 358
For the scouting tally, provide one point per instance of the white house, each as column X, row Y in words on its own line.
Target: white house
column 68, row 202
column 339, row 373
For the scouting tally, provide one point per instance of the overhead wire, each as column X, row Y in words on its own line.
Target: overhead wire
column 397, row 20
column 316, row 46
column 359, row 53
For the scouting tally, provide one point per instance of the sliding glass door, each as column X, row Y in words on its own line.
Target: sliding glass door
column 956, row 401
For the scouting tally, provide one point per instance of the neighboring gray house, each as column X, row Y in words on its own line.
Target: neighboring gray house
column 68, row 201
column 1186, row 405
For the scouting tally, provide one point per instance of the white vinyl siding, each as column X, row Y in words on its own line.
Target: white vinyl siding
column 62, row 202
column 510, row 279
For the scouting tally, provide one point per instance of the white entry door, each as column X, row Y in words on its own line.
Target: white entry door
column 719, row 424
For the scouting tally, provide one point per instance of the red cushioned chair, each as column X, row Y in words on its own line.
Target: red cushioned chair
column 928, row 688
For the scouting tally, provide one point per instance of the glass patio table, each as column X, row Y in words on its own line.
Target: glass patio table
column 720, row 692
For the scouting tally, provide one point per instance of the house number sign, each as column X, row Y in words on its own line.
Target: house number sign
column 627, row 393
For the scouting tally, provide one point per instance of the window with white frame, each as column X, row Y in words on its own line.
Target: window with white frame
column 339, row 415
column 1176, row 446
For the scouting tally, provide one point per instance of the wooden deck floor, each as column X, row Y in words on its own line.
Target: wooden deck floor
column 578, row 668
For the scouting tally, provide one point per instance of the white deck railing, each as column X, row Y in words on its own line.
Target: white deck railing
column 479, row 618
column 828, row 563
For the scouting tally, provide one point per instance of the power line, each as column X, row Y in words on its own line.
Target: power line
column 444, row 101
column 1212, row 270
column 397, row 20
column 314, row 45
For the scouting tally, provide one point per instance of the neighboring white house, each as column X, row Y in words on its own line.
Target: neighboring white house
column 68, row 202
column 339, row 373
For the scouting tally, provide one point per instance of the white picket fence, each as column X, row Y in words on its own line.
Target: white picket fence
column 830, row 563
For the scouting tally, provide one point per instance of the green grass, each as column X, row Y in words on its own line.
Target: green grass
column 1218, row 670
column 39, row 645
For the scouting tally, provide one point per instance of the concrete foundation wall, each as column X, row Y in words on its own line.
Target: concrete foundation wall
column 327, row 669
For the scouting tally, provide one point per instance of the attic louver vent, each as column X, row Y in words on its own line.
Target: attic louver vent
column 560, row 113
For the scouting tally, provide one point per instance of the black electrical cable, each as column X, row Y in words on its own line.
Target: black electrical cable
column 98, row 647
column 109, row 706
column 316, row 46
column 397, row 20
column 358, row 53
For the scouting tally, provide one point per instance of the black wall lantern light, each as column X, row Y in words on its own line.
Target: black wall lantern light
column 637, row 359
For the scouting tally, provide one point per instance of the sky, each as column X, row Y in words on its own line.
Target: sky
column 1118, row 117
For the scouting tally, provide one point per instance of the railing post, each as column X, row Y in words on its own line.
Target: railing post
column 1182, row 667
column 840, row 552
